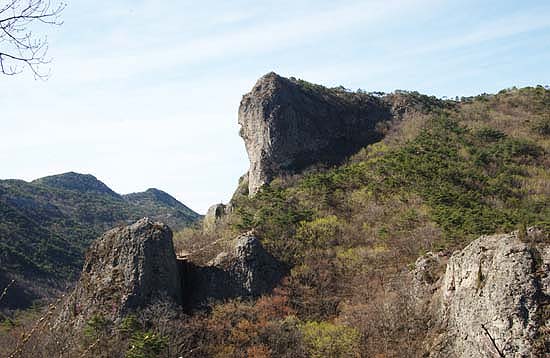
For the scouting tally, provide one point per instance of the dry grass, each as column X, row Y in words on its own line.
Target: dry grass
column 199, row 247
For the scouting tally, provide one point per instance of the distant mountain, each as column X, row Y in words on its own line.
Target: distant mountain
column 161, row 206
column 84, row 183
column 47, row 224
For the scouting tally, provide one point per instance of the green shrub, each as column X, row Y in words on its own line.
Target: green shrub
column 460, row 191
column 325, row 339
column 146, row 345
column 490, row 134
column 542, row 126
column 96, row 327
column 320, row 233
column 128, row 326
column 275, row 215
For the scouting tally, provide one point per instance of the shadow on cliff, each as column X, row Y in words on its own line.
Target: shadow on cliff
column 204, row 284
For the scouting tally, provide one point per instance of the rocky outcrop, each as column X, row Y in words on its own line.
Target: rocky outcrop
column 56, row 218
column 125, row 269
column 493, row 299
column 213, row 216
column 128, row 268
column 426, row 276
column 289, row 124
column 246, row 269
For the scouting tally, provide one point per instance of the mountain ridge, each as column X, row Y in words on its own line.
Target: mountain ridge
column 384, row 252
column 47, row 223
column 75, row 181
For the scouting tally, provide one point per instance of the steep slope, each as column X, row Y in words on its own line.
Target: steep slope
column 289, row 124
column 441, row 176
column 46, row 225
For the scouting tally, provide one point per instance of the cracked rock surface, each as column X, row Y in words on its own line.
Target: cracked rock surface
column 126, row 268
column 289, row 124
column 494, row 299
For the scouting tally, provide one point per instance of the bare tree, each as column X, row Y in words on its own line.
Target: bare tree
column 19, row 46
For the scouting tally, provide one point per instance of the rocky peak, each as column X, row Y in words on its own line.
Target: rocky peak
column 130, row 267
column 493, row 299
column 253, row 269
column 288, row 124
column 126, row 268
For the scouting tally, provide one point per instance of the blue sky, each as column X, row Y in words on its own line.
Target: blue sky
column 145, row 93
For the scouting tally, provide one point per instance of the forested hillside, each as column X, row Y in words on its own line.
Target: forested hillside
column 362, row 245
column 47, row 224
column 442, row 176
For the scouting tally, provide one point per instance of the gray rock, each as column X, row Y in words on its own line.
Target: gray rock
column 426, row 275
column 213, row 216
column 242, row 189
column 246, row 269
column 253, row 269
column 427, row 268
column 494, row 299
column 125, row 269
column 288, row 125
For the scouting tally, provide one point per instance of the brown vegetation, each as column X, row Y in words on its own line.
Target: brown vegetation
column 349, row 235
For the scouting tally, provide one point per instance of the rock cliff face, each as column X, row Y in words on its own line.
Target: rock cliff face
column 126, row 268
column 494, row 299
column 288, row 125
column 130, row 267
column 245, row 270
column 213, row 217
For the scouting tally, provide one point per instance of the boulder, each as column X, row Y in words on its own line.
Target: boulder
column 245, row 269
column 125, row 269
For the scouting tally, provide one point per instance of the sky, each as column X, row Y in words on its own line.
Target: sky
column 146, row 93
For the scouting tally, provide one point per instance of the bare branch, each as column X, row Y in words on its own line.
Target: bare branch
column 492, row 341
column 6, row 290
column 20, row 47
